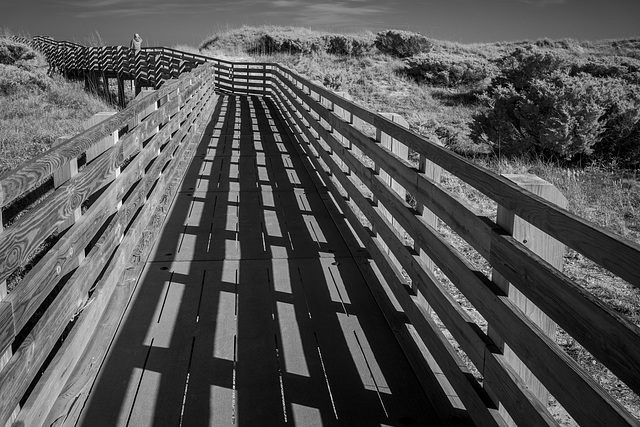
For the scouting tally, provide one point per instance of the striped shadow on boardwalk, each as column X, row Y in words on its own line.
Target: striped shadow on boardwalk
column 251, row 309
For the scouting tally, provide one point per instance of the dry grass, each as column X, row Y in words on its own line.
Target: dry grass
column 38, row 110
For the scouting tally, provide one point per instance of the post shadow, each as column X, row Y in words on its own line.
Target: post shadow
column 251, row 310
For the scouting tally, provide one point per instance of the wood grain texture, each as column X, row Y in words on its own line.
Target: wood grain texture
column 43, row 335
column 14, row 184
column 96, row 174
column 299, row 93
column 98, row 323
column 544, row 357
column 611, row 337
column 533, row 345
column 472, row 340
column 462, row 384
column 8, row 331
column 55, row 377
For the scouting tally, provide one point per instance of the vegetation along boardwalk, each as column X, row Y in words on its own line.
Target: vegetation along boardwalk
column 241, row 245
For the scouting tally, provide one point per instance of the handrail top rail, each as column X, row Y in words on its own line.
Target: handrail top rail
column 172, row 51
column 18, row 181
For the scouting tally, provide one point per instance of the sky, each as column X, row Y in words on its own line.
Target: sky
column 173, row 22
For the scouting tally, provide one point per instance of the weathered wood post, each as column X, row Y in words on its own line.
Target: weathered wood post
column 402, row 151
column 98, row 148
column 434, row 173
column 6, row 354
column 122, row 102
column 548, row 249
column 326, row 103
column 354, row 121
column 62, row 175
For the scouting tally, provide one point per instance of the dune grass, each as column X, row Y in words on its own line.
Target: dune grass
column 36, row 109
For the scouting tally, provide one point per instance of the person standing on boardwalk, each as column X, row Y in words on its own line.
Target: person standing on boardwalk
column 136, row 43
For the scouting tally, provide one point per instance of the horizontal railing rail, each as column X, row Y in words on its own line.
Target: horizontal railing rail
column 363, row 158
column 355, row 163
column 104, row 192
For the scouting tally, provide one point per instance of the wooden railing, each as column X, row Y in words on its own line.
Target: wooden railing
column 363, row 158
column 150, row 67
column 101, row 197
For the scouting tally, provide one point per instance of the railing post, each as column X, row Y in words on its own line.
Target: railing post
column 5, row 354
column 434, row 173
column 402, row 151
column 232, row 78
column 326, row 103
column 347, row 117
column 122, row 102
column 62, row 175
column 101, row 146
column 264, row 80
column 548, row 249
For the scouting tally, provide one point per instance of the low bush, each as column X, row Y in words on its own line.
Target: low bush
column 538, row 106
column 14, row 80
column 21, row 68
column 268, row 44
column 265, row 40
column 610, row 66
column 442, row 69
column 35, row 108
column 349, row 45
column 402, row 44
column 523, row 66
column 12, row 52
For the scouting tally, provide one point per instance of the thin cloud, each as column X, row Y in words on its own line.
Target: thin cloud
column 285, row 3
column 541, row 3
column 100, row 8
column 328, row 14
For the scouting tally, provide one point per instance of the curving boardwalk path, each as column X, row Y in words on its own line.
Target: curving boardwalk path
column 252, row 309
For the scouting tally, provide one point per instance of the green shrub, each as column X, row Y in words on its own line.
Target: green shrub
column 289, row 44
column 11, row 52
column 347, row 45
column 441, row 69
column 266, row 40
column 538, row 106
column 620, row 141
column 14, row 80
column 610, row 66
column 523, row 66
column 558, row 116
column 402, row 44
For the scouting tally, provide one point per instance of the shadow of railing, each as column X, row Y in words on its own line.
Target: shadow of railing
column 251, row 309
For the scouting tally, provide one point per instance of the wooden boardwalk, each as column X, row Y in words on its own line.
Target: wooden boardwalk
column 252, row 309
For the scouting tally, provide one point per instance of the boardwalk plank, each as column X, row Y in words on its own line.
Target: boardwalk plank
column 281, row 330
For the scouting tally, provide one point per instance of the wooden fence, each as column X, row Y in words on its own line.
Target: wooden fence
column 101, row 200
column 150, row 67
column 363, row 159
column 353, row 164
